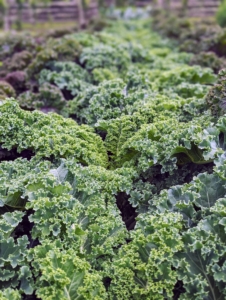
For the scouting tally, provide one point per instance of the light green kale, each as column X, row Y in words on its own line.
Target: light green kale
column 167, row 142
column 143, row 267
column 104, row 56
column 15, row 177
column 189, row 74
column 10, row 294
column 64, row 207
column 105, row 101
column 117, row 98
column 67, row 76
column 49, row 136
column 64, row 275
column 102, row 74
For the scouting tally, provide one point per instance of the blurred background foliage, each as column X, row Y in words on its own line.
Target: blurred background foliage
column 221, row 14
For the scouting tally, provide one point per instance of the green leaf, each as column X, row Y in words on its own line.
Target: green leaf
column 60, row 173
column 25, row 277
column 210, row 188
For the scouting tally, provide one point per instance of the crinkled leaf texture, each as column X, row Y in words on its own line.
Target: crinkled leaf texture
column 201, row 266
column 62, row 185
column 66, row 276
column 14, row 267
column 49, row 135
column 10, row 294
column 143, row 267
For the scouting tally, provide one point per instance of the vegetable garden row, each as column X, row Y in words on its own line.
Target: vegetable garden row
column 113, row 168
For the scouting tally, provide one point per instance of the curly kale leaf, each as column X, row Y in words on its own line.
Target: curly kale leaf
column 15, row 271
column 103, row 56
column 166, row 142
column 202, row 264
column 66, row 76
column 49, row 135
column 143, row 267
column 10, row 294
column 215, row 99
column 64, row 275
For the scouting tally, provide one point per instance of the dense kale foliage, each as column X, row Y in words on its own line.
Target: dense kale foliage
column 203, row 37
column 119, row 191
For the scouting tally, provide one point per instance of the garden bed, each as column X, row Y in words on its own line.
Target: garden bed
column 112, row 168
